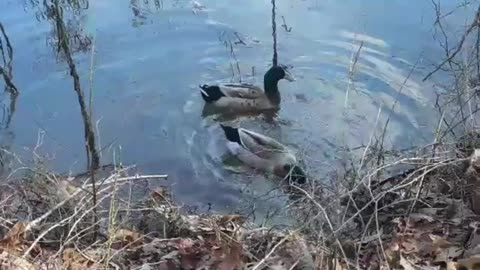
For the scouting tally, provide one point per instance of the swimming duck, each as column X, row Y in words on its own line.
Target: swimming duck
column 261, row 152
column 246, row 97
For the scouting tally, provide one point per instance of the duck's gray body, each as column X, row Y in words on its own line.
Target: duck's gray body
column 243, row 97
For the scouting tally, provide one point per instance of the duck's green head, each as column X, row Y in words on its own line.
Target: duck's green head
column 295, row 174
column 276, row 73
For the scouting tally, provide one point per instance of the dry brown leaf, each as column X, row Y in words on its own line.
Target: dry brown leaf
column 232, row 260
column 338, row 265
column 167, row 265
column 160, row 194
column 408, row 246
column 126, row 237
column 189, row 253
column 11, row 261
column 392, row 254
column 277, row 264
column 66, row 188
column 470, row 263
column 452, row 265
column 448, row 254
column 419, row 217
column 17, row 231
column 183, row 244
column 473, row 246
column 407, row 265
column 439, row 242
column 189, row 260
column 231, row 218
column 14, row 239
column 74, row 260
column 476, row 200
column 430, row 211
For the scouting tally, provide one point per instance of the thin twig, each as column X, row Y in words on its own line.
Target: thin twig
column 260, row 263
column 459, row 46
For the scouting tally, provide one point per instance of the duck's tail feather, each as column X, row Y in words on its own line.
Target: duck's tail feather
column 232, row 134
column 211, row 93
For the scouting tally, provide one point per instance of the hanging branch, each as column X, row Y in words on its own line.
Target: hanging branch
column 274, row 34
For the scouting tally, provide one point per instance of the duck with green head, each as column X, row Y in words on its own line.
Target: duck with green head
column 244, row 97
column 264, row 153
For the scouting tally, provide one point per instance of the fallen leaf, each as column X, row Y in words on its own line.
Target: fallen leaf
column 469, row 263
column 278, row 265
column 183, row 244
column 15, row 237
column 160, row 194
column 189, row 260
column 124, row 237
column 409, row 246
column 189, row 253
column 338, row 265
column 418, row 217
column 407, row 265
column 430, row 211
column 167, row 265
column 473, row 245
column 11, row 261
column 74, row 260
column 231, row 218
column 452, row 265
column 476, row 200
column 66, row 188
column 448, row 254
column 232, row 260
column 439, row 242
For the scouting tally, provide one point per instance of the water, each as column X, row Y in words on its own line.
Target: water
column 149, row 60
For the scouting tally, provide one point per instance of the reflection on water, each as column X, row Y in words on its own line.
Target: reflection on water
column 152, row 55
column 9, row 102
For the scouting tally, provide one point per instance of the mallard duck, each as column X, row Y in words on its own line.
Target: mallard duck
column 246, row 97
column 261, row 152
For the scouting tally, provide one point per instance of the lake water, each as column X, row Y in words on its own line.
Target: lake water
column 150, row 57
